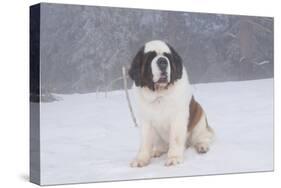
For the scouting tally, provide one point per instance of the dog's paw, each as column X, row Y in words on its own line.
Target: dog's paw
column 157, row 153
column 139, row 163
column 202, row 148
column 173, row 161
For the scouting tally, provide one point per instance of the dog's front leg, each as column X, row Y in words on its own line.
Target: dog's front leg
column 144, row 154
column 177, row 140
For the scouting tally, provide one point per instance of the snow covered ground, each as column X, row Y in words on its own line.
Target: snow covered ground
column 88, row 138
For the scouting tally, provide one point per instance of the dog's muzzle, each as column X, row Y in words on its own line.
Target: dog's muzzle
column 163, row 78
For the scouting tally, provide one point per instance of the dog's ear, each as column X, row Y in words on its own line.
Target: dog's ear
column 176, row 64
column 135, row 69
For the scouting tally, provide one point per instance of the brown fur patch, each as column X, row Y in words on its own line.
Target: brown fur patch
column 140, row 70
column 195, row 113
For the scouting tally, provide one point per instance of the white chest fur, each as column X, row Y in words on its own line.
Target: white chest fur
column 160, row 108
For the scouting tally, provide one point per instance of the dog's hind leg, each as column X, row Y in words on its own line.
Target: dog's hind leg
column 201, row 136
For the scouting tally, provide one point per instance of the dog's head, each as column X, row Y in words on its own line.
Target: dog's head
column 156, row 66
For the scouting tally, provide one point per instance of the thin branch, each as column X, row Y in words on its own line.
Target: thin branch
column 109, row 86
column 231, row 34
column 127, row 96
column 259, row 25
column 262, row 62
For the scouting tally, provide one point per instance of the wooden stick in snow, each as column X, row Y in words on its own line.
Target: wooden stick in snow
column 127, row 95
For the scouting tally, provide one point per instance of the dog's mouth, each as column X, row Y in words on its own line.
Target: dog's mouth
column 162, row 82
column 163, row 79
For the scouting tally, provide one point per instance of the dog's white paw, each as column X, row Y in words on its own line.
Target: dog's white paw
column 139, row 163
column 157, row 153
column 202, row 147
column 173, row 161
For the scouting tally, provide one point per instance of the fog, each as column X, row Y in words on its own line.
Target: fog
column 84, row 47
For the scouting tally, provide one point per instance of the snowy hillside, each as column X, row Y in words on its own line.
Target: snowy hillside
column 83, row 47
column 87, row 137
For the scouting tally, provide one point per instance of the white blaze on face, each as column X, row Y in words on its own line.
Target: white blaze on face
column 156, row 72
column 160, row 47
column 157, row 46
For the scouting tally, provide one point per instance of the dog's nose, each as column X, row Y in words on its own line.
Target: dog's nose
column 162, row 63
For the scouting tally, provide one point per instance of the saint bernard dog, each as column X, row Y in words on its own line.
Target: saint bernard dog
column 168, row 114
